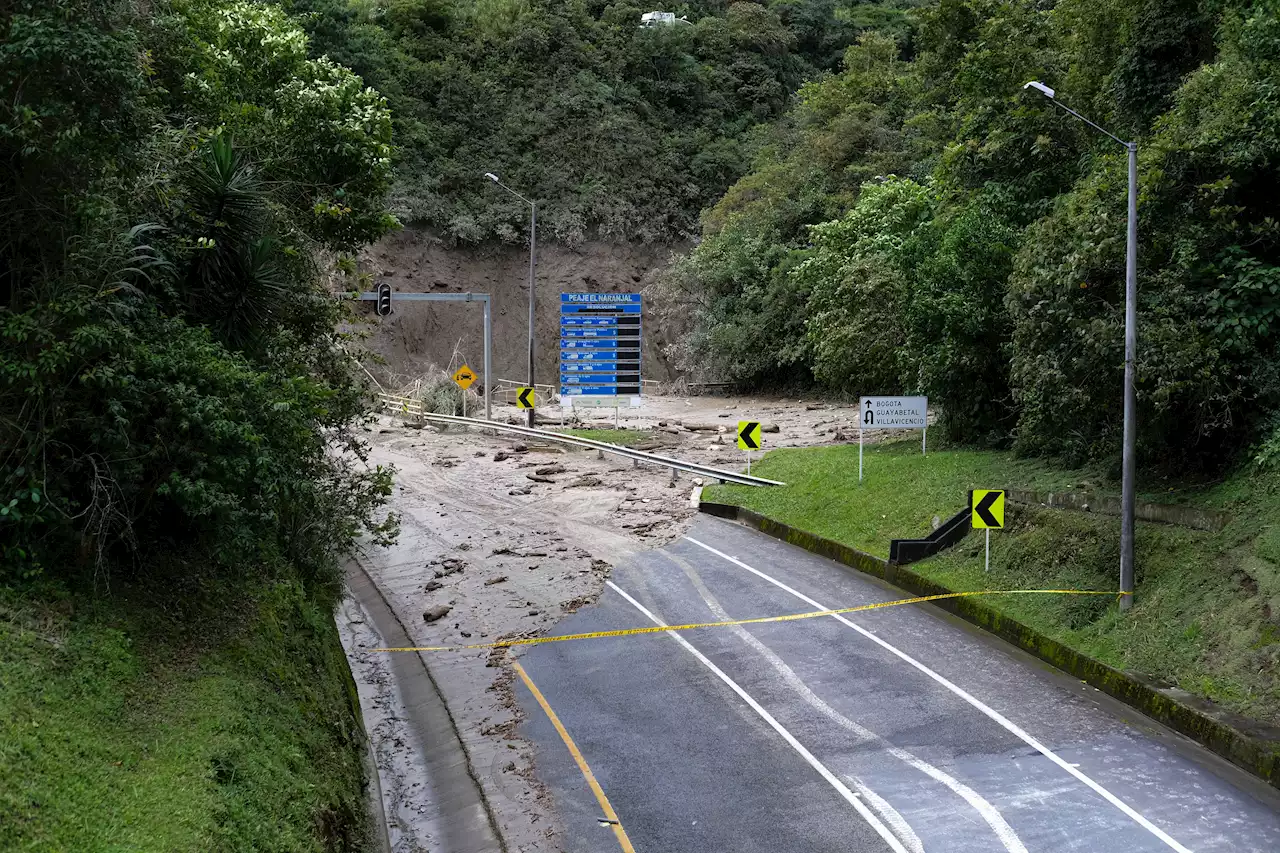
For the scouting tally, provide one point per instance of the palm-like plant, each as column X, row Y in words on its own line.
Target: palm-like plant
column 235, row 283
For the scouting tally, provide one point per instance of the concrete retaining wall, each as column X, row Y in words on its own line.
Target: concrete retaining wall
column 1185, row 516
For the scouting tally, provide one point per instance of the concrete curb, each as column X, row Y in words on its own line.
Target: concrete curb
column 380, row 836
column 1252, row 746
column 468, row 823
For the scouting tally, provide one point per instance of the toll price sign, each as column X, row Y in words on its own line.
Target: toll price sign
column 600, row 345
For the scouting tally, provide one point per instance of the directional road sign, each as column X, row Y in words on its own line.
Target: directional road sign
column 600, row 345
column 464, row 377
column 749, row 435
column 524, row 398
column 988, row 509
column 893, row 413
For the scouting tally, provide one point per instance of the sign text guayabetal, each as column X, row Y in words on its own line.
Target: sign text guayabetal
column 894, row 413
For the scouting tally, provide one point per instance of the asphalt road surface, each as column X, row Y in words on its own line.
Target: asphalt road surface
column 899, row 729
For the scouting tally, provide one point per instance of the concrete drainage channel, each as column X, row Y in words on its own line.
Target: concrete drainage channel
column 461, row 817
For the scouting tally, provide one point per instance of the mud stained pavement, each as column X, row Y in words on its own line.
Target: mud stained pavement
column 502, row 538
column 475, row 563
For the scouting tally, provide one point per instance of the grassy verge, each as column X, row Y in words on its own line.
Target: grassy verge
column 123, row 731
column 623, row 437
column 1207, row 612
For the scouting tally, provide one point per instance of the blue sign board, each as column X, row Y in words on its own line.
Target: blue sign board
column 600, row 344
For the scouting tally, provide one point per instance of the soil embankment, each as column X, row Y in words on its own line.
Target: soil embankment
column 421, row 334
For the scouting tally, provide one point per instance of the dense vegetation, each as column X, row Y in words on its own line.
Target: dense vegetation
column 920, row 223
column 619, row 131
column 171, row 384
column 179, row 418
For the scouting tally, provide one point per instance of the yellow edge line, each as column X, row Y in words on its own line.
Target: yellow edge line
column 791, row 617
column 618, row 831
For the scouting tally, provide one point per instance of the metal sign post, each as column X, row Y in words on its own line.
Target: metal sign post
column 464, row 376
column 749, row 438
column 986, row 512
column 893, row 413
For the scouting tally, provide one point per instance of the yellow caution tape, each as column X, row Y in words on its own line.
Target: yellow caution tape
column 791, row 617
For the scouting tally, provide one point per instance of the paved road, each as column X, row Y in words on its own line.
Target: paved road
column 893, row 730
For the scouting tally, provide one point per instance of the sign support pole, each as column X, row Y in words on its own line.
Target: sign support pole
column 924, row 442
column 988, row 549
column 748, row 462
column 859, row 454
column 488, row 360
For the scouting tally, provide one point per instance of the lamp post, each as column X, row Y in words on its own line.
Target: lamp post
column 533, row 255
column 1128, row 463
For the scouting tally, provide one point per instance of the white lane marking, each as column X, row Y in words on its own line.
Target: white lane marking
column 993, row 714
column 843, row 789
column 989, row 813
column 891, row 816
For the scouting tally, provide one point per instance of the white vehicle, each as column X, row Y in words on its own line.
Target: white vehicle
column 664, row 19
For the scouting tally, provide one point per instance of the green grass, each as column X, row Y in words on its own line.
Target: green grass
column 901, row 492
column 121, row 733
column 1207, row 610
column 623, row 437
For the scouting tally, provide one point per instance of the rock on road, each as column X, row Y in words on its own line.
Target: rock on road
column 898, row 729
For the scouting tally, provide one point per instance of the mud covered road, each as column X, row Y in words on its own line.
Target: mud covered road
column 503, row 538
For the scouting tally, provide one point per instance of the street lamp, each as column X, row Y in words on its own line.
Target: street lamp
column 1128, row 463
column 533, row 253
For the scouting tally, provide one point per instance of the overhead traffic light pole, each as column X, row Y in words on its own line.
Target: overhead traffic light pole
column 384, row 292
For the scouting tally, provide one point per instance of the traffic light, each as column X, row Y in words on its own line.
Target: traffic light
column 384, row 300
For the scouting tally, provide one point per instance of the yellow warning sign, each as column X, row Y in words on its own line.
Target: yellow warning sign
column 525, row 398
column 749, row 435
column 464, row 377
column 987, row 509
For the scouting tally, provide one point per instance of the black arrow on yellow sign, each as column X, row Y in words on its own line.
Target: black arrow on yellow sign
column 988, row 509
column 524, row 398
column 749, row 435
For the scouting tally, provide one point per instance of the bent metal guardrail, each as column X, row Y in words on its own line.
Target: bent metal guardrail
column 414, row 408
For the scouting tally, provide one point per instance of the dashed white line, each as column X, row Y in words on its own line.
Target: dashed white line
column 867, row 814
column 891, row 816
column 991, row 713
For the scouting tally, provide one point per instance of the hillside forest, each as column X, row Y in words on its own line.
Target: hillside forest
column 918, row 222
column 879, row 205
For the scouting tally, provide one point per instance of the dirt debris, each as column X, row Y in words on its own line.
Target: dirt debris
column 436, row 613
column 570, row 536
column 447, row 566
